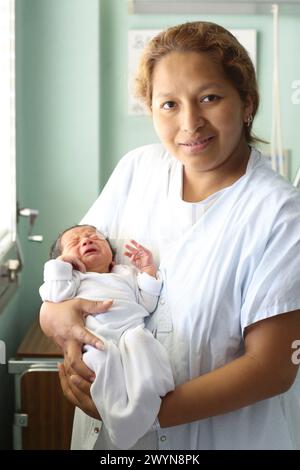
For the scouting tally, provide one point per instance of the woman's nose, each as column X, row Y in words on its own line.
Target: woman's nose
column 192, row 119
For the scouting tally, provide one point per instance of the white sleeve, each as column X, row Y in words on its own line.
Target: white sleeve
column 60, row 281
column 275, row 284
column 148, row 291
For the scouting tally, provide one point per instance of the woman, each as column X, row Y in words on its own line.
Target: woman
column 226, row 231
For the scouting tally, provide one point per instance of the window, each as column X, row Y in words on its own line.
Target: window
column 7, row 126
column 7, row 143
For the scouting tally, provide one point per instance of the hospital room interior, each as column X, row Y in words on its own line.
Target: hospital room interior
column 68, row 115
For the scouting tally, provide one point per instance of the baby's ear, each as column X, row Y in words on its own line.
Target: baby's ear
column 112, row 264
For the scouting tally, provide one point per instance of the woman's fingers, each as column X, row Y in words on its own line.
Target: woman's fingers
column 74, row 363
column 92, row 307
column 76, row 390
column 67, row 391
column 84, row 336
column 89, row 307
column 81, row 369
column 82, row 385
column 81, row 391
column 65, row 320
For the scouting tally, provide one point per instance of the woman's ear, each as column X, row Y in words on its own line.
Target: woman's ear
column 248, row 108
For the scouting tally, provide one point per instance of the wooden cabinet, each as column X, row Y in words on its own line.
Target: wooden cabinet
column 43, row 417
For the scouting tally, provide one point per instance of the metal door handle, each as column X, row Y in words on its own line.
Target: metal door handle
column 32, row 215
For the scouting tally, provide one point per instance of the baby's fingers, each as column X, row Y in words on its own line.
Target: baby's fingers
column 131, row 249
column 139, row 247
column 79, row 265
column 135, row 244
column 127, row 253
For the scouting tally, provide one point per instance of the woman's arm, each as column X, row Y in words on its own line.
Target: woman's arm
column 265, row 370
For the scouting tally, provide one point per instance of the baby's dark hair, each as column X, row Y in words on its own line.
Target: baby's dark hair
column 56, row 248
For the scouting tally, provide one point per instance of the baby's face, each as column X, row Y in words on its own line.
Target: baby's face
column 89, row 246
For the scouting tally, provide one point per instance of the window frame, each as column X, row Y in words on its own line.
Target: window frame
column 10, row 255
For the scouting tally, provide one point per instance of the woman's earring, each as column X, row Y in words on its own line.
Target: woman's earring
column 249, row 120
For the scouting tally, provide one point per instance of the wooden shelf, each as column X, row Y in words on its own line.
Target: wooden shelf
column 36, row 344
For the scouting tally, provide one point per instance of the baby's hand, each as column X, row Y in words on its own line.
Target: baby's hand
column 140, row 257
column 75, row 262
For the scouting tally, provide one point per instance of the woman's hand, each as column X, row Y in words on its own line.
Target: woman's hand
column 77, row 391
column 65, row 320
column 64, row 323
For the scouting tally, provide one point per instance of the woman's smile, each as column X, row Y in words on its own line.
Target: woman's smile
column 196, row 146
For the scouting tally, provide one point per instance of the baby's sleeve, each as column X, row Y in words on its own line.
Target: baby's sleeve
column 148, row 291
column 60, row 281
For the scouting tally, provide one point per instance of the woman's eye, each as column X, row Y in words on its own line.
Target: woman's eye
column 209, row 98
column 168, row 105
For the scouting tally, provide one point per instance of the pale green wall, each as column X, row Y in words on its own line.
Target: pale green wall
column 64, row 124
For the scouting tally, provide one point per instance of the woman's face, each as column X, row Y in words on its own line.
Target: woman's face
column 197, row 113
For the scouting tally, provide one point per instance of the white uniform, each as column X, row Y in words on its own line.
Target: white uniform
column 134, row 366
column 227, row 262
